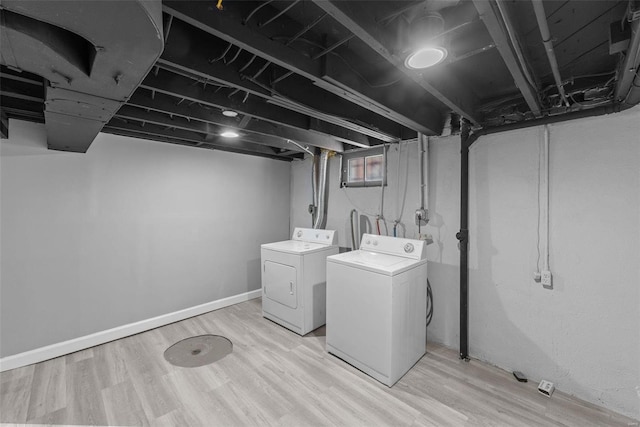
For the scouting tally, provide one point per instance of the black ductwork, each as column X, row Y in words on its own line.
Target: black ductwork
column 93, row 55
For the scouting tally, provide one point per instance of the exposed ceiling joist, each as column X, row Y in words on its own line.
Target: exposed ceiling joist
column 21, row 79
column 195, row 138
column 324, row 109
column 500, row 34
column 26, row 110
column 275, row 135
column 323, row 105
column 203, row 127
column 22, row 96
column 452, row 93
column 337, row 79
column 183, row 88
column 4, row 125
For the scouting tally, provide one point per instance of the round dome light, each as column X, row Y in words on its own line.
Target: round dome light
column 229, row 113
column 425, row 57
column 230, row 134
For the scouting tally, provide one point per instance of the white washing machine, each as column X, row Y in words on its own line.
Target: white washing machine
column 294, row 279
column 377, row 306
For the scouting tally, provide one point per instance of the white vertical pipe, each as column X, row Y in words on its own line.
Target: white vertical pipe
column 425, row 181
column 384, row 176
column 314, row 188
column 421, row 168
column 544, row 199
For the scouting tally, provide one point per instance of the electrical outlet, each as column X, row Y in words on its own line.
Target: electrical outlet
column 546, row 278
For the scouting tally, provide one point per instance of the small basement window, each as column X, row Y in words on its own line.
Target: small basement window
column 363, row 168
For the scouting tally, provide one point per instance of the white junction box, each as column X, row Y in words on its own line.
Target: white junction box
column 546, row 278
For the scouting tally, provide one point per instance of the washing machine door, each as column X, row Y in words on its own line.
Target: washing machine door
column 280, row 283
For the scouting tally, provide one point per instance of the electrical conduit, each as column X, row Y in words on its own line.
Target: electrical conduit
column 538, row 8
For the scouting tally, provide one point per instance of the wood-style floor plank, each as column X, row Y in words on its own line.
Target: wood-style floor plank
column 48, row 388
column 272, row 377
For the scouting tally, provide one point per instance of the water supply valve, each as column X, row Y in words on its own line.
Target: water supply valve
column 421, row 216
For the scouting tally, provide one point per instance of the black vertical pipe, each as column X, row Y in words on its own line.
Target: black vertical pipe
column 463, row 237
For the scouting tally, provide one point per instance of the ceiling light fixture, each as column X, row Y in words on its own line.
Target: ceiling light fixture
column 426, row 41
column 230, row 134
column 229, row 113
column 425, row 57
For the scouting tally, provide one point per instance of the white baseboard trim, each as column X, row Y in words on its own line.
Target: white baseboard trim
column 66, row 347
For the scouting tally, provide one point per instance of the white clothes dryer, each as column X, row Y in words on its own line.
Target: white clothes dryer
column 294, row 279
column 377, row 306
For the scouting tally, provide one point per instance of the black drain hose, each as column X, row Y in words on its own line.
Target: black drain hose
column 429, row 303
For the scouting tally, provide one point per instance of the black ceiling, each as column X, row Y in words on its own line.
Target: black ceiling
column 331, row 74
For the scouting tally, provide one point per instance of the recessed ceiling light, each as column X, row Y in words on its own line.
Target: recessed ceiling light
column 425, row 57
column 229, row 113
column 230, row 134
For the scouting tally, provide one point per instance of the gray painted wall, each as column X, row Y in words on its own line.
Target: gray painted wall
column 130, row 230
column 584, row 334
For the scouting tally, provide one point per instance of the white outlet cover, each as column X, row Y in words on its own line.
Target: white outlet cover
column 546, row 388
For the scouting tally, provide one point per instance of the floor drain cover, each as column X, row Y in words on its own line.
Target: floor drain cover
column 198, row 351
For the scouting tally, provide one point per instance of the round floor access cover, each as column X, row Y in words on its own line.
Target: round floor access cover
column 198, row 351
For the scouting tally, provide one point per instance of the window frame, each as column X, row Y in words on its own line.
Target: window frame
column 362, row 153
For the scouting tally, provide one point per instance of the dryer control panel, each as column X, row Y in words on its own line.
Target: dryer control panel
column 325, row 237
column 408, row 248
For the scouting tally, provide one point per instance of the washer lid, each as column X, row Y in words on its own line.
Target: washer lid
column 296, row 247
column 389, row 265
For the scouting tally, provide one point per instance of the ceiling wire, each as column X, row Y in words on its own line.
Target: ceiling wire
column 218, row 58
column 253, row 12
column 234, row 57
column 261, row 70
column 342, row 58
column 399, row 12
column 305, row 29
column 279, row 14
column 248, row 63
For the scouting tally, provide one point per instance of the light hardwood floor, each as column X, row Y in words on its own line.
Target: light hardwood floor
column 273, row 377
